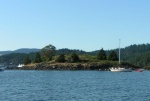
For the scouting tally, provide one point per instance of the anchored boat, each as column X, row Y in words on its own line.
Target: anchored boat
column 120, row 69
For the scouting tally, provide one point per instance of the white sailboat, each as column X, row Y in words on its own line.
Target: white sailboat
column 120, row 69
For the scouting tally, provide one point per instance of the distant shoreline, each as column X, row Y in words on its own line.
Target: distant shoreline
column 67, row 66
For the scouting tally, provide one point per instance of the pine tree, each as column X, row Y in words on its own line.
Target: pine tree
column 27, row 60
column 113, row 56
column 37, row 58
column 101, row 55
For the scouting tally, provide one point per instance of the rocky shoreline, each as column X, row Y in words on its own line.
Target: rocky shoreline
column 67, row 66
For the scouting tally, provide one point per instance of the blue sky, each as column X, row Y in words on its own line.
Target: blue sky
column 75, row 24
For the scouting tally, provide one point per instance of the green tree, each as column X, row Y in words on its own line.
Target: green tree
column 48, row 52
column 61, row 58
column 27, row 60
column 74, row 57
column 113, row 56
column 37, row 58
column 101, row 55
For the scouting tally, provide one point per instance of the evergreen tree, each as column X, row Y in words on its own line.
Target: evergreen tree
column 101, row 55
column 61, row 58
column 74, row 57
column 37, row 58
column 27, row 60
column 113, row 56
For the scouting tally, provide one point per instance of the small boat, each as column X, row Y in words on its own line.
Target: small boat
column 120, row 69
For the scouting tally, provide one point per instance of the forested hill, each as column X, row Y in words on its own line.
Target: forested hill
column 135, row 54
column 69, row 51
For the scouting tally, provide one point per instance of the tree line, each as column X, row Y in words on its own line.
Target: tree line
column 48, row 52
column 111, row 57
column 138, row 55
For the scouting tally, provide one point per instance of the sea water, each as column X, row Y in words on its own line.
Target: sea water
column 36, row 85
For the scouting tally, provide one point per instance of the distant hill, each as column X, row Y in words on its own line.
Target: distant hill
column 22, row 50
column 136, row 54
column 27, row 50
column 5, row 52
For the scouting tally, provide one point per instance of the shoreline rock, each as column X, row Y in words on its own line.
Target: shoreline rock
column 66, row 66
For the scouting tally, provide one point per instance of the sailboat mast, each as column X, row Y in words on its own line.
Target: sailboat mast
column 119, row 51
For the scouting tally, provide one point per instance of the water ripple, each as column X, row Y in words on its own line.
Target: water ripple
column 20, row 85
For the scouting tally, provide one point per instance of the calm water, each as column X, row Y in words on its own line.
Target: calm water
column 24, row 85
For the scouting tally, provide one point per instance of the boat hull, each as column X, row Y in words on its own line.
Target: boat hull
column 120, row 70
